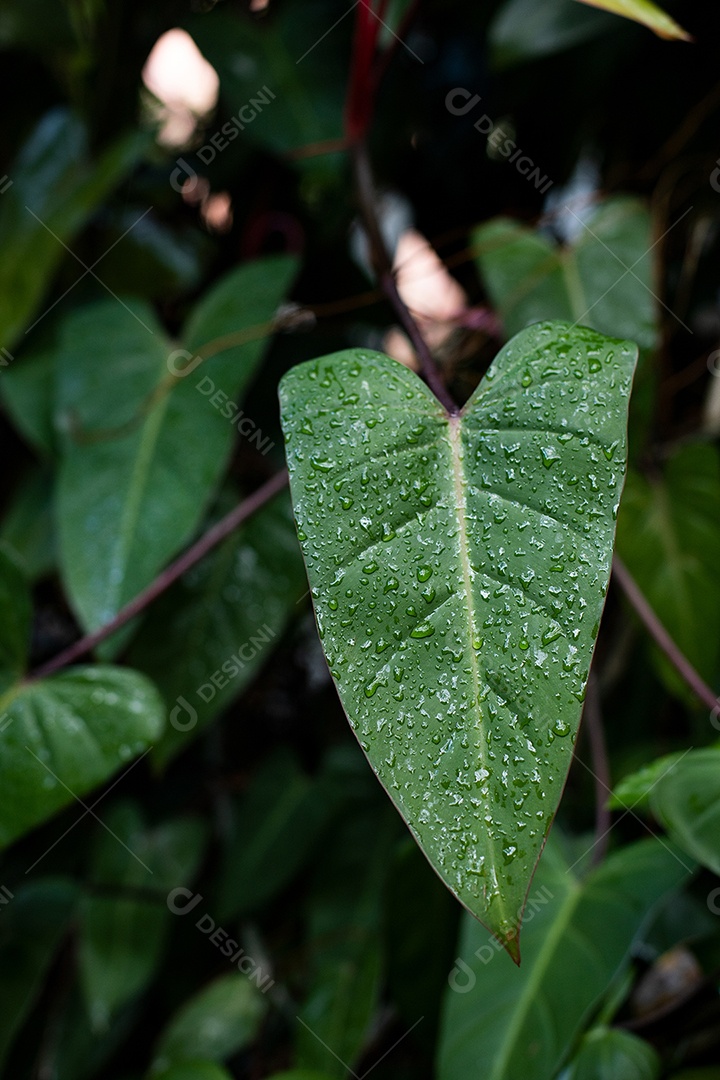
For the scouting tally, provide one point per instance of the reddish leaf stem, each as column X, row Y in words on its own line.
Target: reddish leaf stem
column 383, row 268
column 661, row 637
column 593, row 720
column 168, row 577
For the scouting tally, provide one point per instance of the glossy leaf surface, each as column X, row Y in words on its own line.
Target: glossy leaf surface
column 63, row 735
column 459, row 567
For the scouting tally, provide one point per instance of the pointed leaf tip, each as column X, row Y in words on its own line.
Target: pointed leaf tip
column 645, row 13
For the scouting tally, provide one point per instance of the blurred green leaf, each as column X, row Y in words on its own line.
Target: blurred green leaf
column 524, row 29
column 193, row 1070
column 300, row 1074
column 206, row 639
column 143, row 449
column 122, row 937
column 28, row 391
column 62, row 736
column 686, row 799
column 15, row 614
column 576, row 938
column 610, row 1054
column 153, row 260
column 420, row 932
column 669, row 539
column 645, row 12
column 33, row 922
column 80, row 1052
column 459, row 567
column 633, row 791
column 219, row 1021
column 344, row 914
column 28, row 527
column 604, row 280
column 284, row 51
column 36, row 24
column 55, row 188
column 277, row 824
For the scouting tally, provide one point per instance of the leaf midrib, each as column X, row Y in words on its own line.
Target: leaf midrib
column 144, row 458
column 460, row 487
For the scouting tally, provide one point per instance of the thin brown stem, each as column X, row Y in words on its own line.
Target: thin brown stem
column 382, row 265
column 169, row 575
column 593, row 721
column 661, row 637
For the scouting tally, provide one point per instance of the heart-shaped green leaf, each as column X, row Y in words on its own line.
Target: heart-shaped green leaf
column 603, row 279
column 146, row 432
column 686, row 799
column 62, row 736
column 459, row 566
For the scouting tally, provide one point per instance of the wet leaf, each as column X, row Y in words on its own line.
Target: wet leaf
column 459, row 567
column 62, row 736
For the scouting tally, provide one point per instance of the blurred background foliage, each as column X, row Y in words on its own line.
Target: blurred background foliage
column 128, row 236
